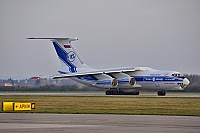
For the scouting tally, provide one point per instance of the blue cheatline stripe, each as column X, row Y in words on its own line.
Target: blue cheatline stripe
column 62, row 54
column 88, row 78
column 123, row 81
column 104, row 82
column 62, row 72
column 157, row 78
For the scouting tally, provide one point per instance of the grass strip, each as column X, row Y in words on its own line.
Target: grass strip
column 110, row 105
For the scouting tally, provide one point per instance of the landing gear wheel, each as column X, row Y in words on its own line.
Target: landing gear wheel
column 161, row 93
column 109, row 92
column 136, row 93
column 114, row 92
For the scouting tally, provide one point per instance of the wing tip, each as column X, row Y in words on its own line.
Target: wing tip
column 31, row 38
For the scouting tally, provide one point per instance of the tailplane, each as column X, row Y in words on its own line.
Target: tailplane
column 70, row 62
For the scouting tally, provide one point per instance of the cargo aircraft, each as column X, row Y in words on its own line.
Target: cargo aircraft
column 118, row 81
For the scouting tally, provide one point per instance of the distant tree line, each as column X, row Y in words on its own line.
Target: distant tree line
column 194, row 86
column 49, row 88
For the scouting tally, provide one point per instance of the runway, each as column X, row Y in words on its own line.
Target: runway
column 142, row 94
column 84, row 123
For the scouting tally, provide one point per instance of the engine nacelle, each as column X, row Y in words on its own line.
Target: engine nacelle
column 106, row 83
column 126, row 82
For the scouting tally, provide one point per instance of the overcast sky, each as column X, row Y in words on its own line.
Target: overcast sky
column 162, row 34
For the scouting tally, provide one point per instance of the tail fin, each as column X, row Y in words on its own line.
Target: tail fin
column 70, row 62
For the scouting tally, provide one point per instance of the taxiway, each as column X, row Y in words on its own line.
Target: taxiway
column 142, row 94
column 84, row 123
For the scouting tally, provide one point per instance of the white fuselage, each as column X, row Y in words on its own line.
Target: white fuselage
column 148, row 79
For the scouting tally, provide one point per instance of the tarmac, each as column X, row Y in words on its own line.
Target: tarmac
column 97, row 123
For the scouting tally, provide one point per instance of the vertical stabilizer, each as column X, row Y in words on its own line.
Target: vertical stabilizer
column 70, row 62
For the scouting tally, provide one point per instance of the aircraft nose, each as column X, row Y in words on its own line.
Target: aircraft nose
column 186, row 81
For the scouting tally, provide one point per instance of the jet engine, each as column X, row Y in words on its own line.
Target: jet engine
column 126, row 82
column 106, row 83
column 123, row 79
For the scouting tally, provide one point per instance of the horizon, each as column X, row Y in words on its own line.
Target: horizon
column 163, row 35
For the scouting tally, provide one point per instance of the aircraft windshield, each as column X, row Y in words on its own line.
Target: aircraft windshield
column 178, row 75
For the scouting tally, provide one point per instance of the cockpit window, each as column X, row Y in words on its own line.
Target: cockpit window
column 178, row 75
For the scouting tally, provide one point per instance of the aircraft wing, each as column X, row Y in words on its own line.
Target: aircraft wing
column 103, row 71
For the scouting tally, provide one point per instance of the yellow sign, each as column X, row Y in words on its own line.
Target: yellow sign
column 7, row 106
column 23, row 106
column 32, row 105
column 15, row 106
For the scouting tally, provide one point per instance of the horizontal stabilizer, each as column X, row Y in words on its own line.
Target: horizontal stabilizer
column 56, row 38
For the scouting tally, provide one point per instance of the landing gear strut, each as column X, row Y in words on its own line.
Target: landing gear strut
column 161, row 93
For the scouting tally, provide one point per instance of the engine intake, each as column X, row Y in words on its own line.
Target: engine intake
column 132, row 81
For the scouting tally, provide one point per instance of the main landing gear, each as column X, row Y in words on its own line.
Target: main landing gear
column 161, row 93
column 118, row 92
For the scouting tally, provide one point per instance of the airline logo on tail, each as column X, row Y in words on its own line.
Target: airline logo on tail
column 65, row 57
column 71, row 56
